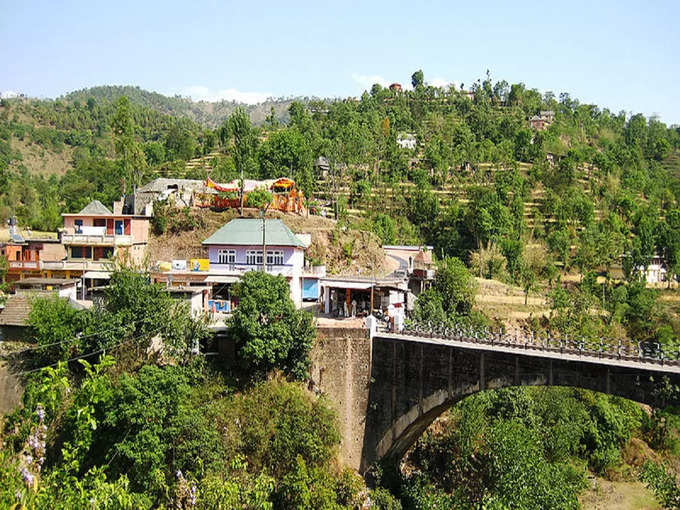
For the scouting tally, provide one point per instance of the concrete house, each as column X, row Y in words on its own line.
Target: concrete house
column 95, row 236
column 25, row 252
column 236, row 248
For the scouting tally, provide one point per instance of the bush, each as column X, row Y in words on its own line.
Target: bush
column 53, row 322
column 276, row 421
column 662, row 481
column 154, row 428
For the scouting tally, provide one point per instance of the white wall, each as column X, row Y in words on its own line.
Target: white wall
column 295, row 284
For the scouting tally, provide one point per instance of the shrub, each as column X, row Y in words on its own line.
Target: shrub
column 275, row 422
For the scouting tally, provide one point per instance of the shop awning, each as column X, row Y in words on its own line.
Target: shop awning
column 221, row 279
column 340, row 284
column 97, row 275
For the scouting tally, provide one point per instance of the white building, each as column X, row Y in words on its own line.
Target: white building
column 406, row 141
column 655, row 272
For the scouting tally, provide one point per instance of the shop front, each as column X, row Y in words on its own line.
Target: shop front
column 347, row 298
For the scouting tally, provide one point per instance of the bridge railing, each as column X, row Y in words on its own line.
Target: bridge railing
column 651, row 352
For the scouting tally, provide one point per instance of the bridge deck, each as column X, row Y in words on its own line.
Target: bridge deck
column 539, row 351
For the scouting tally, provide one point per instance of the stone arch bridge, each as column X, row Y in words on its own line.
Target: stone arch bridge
column 388, row 389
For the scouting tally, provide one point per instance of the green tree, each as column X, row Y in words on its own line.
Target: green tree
column 456, row 285
column 286, row 153
column 180, row 143
column 55, row 325
column 268, row 331
column 127, row 147
column 260, row 199
column 238, row 129
column 153, row 428
column 418, row 79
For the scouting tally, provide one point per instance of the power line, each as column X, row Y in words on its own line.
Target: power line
column 79, row 337
column 82, row 356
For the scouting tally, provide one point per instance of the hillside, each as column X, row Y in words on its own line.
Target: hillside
column 343, row 251
column 208, row 114
column 539, row 192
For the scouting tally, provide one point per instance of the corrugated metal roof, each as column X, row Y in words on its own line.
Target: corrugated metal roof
column 248, row 232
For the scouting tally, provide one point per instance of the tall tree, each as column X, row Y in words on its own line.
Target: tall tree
column 245, row 142
column 127, row 147
column 417, row 79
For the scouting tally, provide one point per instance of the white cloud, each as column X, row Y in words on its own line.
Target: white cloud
column 440, row 82
column 8, row 94
column 367, row 81
column 201, row 93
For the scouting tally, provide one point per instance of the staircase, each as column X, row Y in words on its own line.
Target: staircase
column 16, row 311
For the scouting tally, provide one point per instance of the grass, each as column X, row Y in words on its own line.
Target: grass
column 618, row 496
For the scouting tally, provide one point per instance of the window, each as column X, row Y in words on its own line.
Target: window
column 226, row 256
column 254, row 257
column 81, row 252
column 275, row 258
column 105, row 252
column 79, row 226
column 119, row 227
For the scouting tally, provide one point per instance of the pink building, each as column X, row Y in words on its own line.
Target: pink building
column 95, row 237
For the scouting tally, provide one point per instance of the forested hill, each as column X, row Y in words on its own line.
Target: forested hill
column 206, row 113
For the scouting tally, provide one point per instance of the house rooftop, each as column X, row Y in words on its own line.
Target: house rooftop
column 162, row 184
column 37, row 281
column 95, row 207
column 248, row 232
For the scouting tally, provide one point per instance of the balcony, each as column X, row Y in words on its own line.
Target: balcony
column 77, row 265
column 26, row 265
column 94, row 236
column 239, row 269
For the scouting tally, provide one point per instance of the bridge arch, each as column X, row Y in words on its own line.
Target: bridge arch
column 414, row 380
column 388, row 389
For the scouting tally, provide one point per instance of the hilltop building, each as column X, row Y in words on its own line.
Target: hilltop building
column 322, row 167
column 179, row 192
column 285, row 195
column 395, row 87
column 543, row 120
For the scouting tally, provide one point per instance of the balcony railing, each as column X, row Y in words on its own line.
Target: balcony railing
column 77, row 265
column 97, row 239
column 238, row 268
column 23, row 265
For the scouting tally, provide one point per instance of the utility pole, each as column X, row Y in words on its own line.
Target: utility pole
column 243, row 184
column 264, row 240
column 263, row 214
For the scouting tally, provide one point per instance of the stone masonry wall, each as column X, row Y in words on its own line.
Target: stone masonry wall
column 341, row 369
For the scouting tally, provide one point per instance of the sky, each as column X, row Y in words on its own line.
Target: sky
column 622, row 55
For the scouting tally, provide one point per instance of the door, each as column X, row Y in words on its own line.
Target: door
column 310, row 288
column 119, row 227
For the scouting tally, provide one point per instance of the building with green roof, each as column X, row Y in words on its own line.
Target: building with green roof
column 237, row 247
